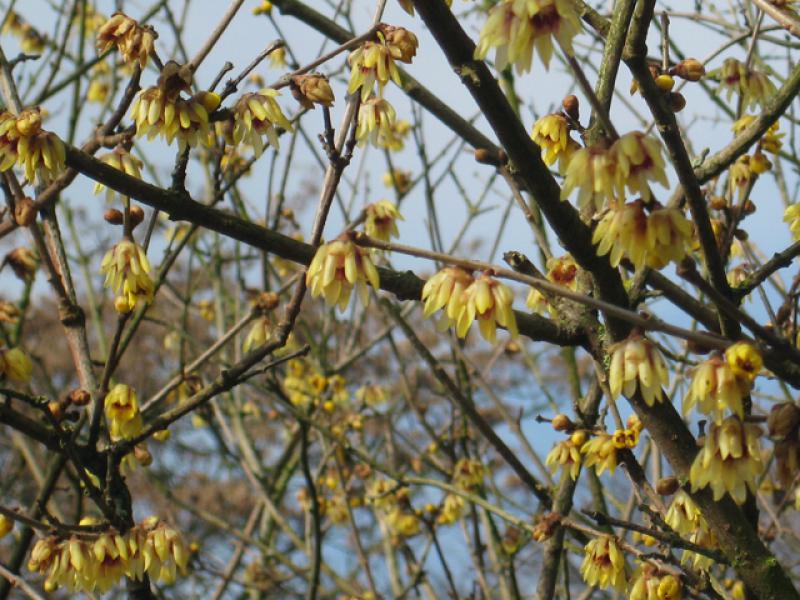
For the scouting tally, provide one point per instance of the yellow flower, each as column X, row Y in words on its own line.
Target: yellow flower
column 134, row 42
column 715, row 388
column 592, row 171
column 336, row 268
column 601, row 453
column 638, row 161
column 23, row 261
column 563, row 271
column 312, row 89
column 397, row 178
column 452, row 510
column 516, row 27
column 376, row 122
column 127, row 273
column 25, row 143
column 468, row 473
column 122, row 160
column 730, row 460
column 446, row 290
column 650, row 584
column 122, row 411
column 669, row 588
column 371, row 394
column 403, row 522
column 754, row 87
column 792, row 216
column 488, row 301
column 277, row 58
column 8, row 312
column 744, row 360
column 15, row 365
column 604, row 564
column 647, row 240
column 637, row 363
column 566, row 455
column 259, row 334
column 161, row 111
column 256, row 115
column 551, row 134
column 769, row 142
column 740, row 175
column 381, row 220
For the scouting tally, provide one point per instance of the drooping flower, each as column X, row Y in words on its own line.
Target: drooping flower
column 601, row 453
column 15, row 365
column 376, row 122
column 127, row 273
column 638, row 162
column 122, row 411
column 134, row 42
column 651, row 240
column 715, row 388
column 25, row 143
column 754, row 87
column 792, row 216
column 312, row 89
column 259, row 334
column 164, row 112
column 488, row 301
column 603, row 565
column 468, row 473
column 636, row 363
column 336, row 268
column 445, row 290
column 6, row 526
column 769, row 142
column 650, row 583
column 566, row 455
column 451, row 511
column 398, row 179
column 592, row 171
column 516, row 27
column 124, row 161
column 730, row 460
column 381, row 220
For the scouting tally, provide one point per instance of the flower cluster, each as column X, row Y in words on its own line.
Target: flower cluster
column 603, row 565
column 650, row 583
column 601, row 450
column 306, row 386
column 716, row 388
column 82, row 564
column 23, row 142
column 566, row 455
column 516, row 27
column 647, row 239
column 127, row 273
column 730, row 460
column 684, row 517
column 603, row 174
column 134, row 42
column 255, row 115
column 636, row 363
column 754, row 87
column 122, row 160
column 374, row 61
column 15, row 365
column 381, row 220
column 336, row 268
column 468, row 473
column 376, row 123
column 394, row 506
column 551, row 134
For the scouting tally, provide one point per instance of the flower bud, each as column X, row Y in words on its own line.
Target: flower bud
column 665, row 82
column 23, row 262
column 489, row 157
column 667, row 486
column 571, row 107
column 561, row 422
column 6, row 525
column 749, row 207
column 676, row 101
column 162, row 435
column 142, row 455
column 267, row 301
column 690, row 69
column 79, row 397
column 113, row 216
column 578, row 438
column 25, row 212
column 783, row 421
column 718, row 203
column 55, row 408
column 137, row 216
column 312, row 89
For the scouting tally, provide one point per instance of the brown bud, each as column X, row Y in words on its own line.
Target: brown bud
column 740, row 234
column 690, row 69
column 288, row 214
column 512, row 347
column 718, row 203
column 783, row 421
column 312, row 89
column 25, row 212
column 142, row 455
column 137, row 216
column 23, row 262
column 113, row 216
column 489, row 157
column 267, row 301
column 79, row 397
column 561, row 422
column 667, row 486
column 571, row 107
column 749, row 207
column 676, row 101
